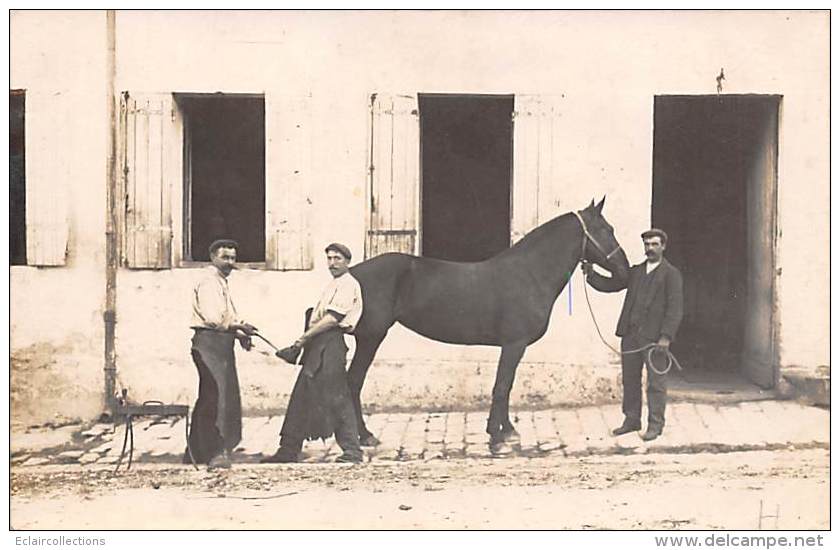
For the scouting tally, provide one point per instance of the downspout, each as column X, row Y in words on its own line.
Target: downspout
column 111, row 236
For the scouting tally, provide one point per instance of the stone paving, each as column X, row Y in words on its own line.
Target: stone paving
column 572, row 432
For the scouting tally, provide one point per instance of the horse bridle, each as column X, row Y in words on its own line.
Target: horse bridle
column 588, row 236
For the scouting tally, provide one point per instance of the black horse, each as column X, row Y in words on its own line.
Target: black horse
column 504, row 301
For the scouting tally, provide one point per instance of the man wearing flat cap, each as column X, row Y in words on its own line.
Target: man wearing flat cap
column 320, row 404
column 217, row 415
column 652, row 311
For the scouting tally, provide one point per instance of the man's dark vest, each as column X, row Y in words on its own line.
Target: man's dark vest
column 638, row 311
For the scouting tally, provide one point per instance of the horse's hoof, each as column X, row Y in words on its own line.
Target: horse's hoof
column 501, row 449
column 369, row 441
column 512, row 438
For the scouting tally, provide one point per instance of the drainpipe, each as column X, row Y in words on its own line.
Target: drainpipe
column 111, row 237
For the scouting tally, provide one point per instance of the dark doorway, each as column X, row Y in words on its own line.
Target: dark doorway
column 17, row 177
column 224, row 173
column 467, row 154
column 714, row 184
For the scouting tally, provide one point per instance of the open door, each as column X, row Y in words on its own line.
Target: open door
column 714, row 193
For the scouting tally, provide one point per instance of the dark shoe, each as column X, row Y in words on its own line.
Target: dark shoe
column 352, row 458
column 651, row 434
column 220, row 461
column 281, row 456
column 626, row 428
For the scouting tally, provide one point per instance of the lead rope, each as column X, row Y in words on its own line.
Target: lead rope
column 651, row 348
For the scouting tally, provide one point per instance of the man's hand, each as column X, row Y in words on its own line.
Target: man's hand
column 247, row 328
column 245, row 342
column 289, row 354
column 586, row 267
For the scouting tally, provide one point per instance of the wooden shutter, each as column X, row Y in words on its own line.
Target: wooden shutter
column 288, row 182
column 48, row 177
column 535, row 159
column 151, row 159
column 394, row 175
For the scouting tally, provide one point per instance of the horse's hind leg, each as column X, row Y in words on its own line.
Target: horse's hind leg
column 365, row 350
column 498, row 423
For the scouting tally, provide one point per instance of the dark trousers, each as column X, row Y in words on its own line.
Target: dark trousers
column 343, row 415
column 205, row 439
column 216, row 424
column 320, row 403
column 631, row 378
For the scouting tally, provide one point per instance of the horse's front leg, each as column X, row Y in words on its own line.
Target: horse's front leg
column 502, row 432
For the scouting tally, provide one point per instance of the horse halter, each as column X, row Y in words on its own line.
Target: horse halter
column 588, row 236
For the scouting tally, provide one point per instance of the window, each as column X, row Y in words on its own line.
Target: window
column 489, row 164
column 195, row 168
column 17, row 178
column 224, row 173
column 467, row 154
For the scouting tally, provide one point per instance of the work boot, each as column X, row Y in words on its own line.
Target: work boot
column 283, row 455
column 220, row 461
column 627, row 427
column 651, row 433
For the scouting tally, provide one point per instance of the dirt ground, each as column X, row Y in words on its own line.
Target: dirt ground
column 644, row 491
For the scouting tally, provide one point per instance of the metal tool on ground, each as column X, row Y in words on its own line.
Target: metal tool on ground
column 147, row 408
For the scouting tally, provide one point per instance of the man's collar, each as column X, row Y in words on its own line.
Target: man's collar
column 218, row 272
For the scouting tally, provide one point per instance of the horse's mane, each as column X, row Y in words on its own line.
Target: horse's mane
column 540, row 232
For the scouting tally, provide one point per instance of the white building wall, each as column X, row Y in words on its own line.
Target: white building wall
column 56, row 325
column 606, row 68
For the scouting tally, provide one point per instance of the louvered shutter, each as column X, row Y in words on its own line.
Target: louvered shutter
column 151, row 156
column 48, row 177
column 393, row 175
column 288, row 182
column 535, row 162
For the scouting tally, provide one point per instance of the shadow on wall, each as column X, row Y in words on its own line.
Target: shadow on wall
column 54, row 384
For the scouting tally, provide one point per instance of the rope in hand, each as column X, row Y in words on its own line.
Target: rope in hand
column 651, row 348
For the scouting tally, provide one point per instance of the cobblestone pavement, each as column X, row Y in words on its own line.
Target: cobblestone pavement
column 573, row 432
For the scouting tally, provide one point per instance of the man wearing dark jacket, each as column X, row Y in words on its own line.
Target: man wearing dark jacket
column 652, row 311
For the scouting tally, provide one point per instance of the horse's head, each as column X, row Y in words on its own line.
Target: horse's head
column 599, row 244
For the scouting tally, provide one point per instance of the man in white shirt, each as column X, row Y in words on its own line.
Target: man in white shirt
column 320, row 404
column 217, row 415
